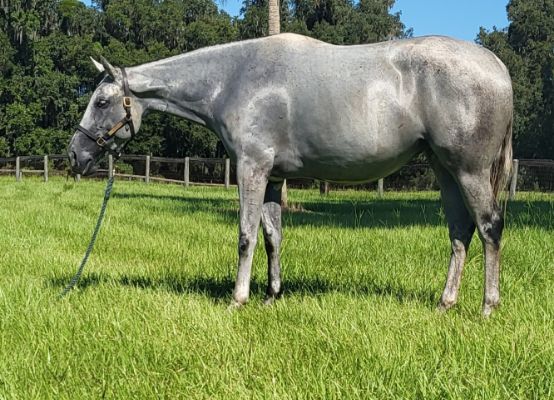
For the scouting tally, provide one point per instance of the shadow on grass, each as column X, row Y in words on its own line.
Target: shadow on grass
column 219, row 290
column 373, row 213
column 347, row 214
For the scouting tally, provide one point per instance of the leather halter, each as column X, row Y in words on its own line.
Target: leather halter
column 104, row 140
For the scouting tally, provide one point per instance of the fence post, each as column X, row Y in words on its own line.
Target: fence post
column 227, row 173
column 380, row 187
column 17, row 169
column 147, row 172
column 513, row 182
column 323, row 188
column 45, row 169
column 110, row 166
column 187, row 171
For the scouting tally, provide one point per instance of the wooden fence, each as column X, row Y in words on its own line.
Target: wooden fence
column 530, row 168
column 44, row 161
column 186, row 162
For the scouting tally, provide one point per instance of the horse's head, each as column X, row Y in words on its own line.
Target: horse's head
column 111, row 119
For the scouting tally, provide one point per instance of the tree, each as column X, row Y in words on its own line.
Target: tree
column 526, row 47
column 274, row 24
column 274, row 21
column 46, row 75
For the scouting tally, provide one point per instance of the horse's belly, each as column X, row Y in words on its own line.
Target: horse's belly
column 371, row 168
column 350, row 158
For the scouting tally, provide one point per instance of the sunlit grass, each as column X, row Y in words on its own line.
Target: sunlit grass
column 362, row 277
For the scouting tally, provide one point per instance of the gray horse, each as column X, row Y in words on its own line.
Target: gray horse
column 290, row 106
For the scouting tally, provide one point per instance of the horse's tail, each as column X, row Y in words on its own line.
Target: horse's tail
column 502, row 165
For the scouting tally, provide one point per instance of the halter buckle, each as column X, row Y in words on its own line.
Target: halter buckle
column 101, row 141
column 126, row 102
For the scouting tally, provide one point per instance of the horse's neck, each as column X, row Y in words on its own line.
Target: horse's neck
column 185, row 85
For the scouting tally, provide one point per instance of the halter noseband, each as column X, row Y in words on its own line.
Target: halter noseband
column 103, row 140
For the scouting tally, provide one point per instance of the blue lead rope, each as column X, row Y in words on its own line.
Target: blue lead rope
column 75, row 278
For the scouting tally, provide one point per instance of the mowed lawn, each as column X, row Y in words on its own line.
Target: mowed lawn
column 362, row 277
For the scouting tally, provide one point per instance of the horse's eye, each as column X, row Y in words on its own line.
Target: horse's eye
column 101, row 103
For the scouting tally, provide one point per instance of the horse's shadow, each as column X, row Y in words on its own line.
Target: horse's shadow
column 373, row 213
column 219, row 289
column 381, row 213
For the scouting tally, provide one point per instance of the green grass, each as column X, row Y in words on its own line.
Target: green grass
column 362, row 278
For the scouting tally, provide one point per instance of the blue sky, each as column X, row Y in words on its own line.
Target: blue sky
column 460, row 19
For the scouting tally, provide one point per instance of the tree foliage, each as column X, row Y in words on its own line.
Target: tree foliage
column 46, row 77
column 527, row 49
column 333, row 21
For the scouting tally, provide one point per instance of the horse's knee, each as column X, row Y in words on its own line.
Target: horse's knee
column 244, row 244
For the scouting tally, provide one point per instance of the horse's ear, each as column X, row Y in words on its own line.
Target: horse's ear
column 98, row 65
column 110, row 69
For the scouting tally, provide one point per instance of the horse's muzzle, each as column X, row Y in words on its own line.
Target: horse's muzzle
column 83, row 166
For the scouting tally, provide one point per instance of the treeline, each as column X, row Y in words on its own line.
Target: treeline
column 527, row 49
column 46, row 76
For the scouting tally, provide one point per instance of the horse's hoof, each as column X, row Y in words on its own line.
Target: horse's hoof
column 269, row 300
column 234, row 305
column 488, row 309
column 443, row 307
column 272, row 295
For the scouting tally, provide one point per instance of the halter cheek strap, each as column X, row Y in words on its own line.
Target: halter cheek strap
column 105, row 140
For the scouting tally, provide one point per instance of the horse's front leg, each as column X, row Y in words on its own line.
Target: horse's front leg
column 252, row 180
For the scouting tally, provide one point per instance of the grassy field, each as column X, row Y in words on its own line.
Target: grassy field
column 362, row 278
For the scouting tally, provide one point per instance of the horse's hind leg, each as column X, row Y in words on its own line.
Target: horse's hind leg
column 460, row 227
column 271, row 223
column 478, row 195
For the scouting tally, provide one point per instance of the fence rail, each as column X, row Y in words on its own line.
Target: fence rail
column 527, row 174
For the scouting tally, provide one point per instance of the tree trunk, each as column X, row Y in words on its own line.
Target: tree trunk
column 275, row 29
column 323, row 188
column 274, row 18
